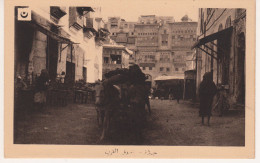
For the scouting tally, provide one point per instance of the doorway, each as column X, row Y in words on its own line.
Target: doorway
column 224, row 45
column 84, row 71
column 70, row 72
column 52, row 60
column 241, row 68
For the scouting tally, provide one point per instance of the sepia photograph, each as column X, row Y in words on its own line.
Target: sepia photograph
column 128, row 74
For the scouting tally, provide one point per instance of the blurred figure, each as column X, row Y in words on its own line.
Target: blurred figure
column 62, row 77
column 41, row 89
column 152, row 93
column 207, row 91
column 170, row 94
column 178, row 91
column 20, row 84
column 147, row 101
column 99, row 103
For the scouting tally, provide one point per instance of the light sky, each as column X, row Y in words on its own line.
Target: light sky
column 130, row 10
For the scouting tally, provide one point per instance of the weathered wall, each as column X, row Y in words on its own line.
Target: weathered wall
column 220, row 20
column 61, row 66
column 79, row 55
column 38, row 55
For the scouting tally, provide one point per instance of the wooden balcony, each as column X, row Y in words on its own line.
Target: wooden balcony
column 75, row 19
column 57, row 12
column 91, row 25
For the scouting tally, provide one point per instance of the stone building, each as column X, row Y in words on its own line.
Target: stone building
column 115, row 57
column 183, row 36
column 122, row 32
column 160, row 45
column 172, row 50
column 146, row 48
column 153, row 19
column 221, row 50
column 59, row 39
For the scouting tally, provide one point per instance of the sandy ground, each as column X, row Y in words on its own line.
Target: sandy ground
column 169, row 124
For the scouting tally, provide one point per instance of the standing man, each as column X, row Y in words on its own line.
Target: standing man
column 41, row 89
column 147, row 94
column 178, row 91
column 170, row 94
column 207, row 91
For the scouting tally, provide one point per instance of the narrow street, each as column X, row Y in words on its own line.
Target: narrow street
column 169, row 124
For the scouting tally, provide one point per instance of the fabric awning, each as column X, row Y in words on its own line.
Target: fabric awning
column 81, row 9
column 37, row 24
column 212, row 37
column 169, row 77
column 53, row 35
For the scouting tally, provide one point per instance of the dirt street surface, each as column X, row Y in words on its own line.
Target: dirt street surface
column 169, row 124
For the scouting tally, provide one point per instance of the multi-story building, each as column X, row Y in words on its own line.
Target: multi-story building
column 221, row 49
column 60, row 39
column 146, row 47
column 115, row 57
column 160, row 45
column 153, row 19
column 173, row 54
column 122, row 32
column 183, row 36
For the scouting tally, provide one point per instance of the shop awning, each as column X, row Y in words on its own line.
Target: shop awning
column 53, row 35
column 161, row 78
column 210, row 39
column 81, row 9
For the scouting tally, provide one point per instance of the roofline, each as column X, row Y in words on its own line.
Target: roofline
column 139, row 24
column 113, row 47
column 181, row 22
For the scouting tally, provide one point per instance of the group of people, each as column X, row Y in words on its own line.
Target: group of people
column 41, row 85
column 207, row 90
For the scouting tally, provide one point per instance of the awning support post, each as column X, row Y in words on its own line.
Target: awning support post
column 218, row 46
column 208, row 53
column 211, row 49
column 64, row 47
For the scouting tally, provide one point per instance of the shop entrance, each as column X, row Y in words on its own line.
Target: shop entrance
column 241, row 68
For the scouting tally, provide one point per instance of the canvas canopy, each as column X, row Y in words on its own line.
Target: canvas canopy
column 160, row 78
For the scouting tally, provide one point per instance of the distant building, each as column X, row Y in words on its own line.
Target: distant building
column 183, row 36
column 166, row 47
column 160, row 45
column 122, row 33
column 115, row 57
column 146, row 48
column 153, row 19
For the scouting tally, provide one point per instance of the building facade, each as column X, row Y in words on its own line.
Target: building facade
column 115, row 57
column 221, row 50
column 172, row 54
column 59, row 39
column 146, row 48
column 160, row 45
column 122, row 32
